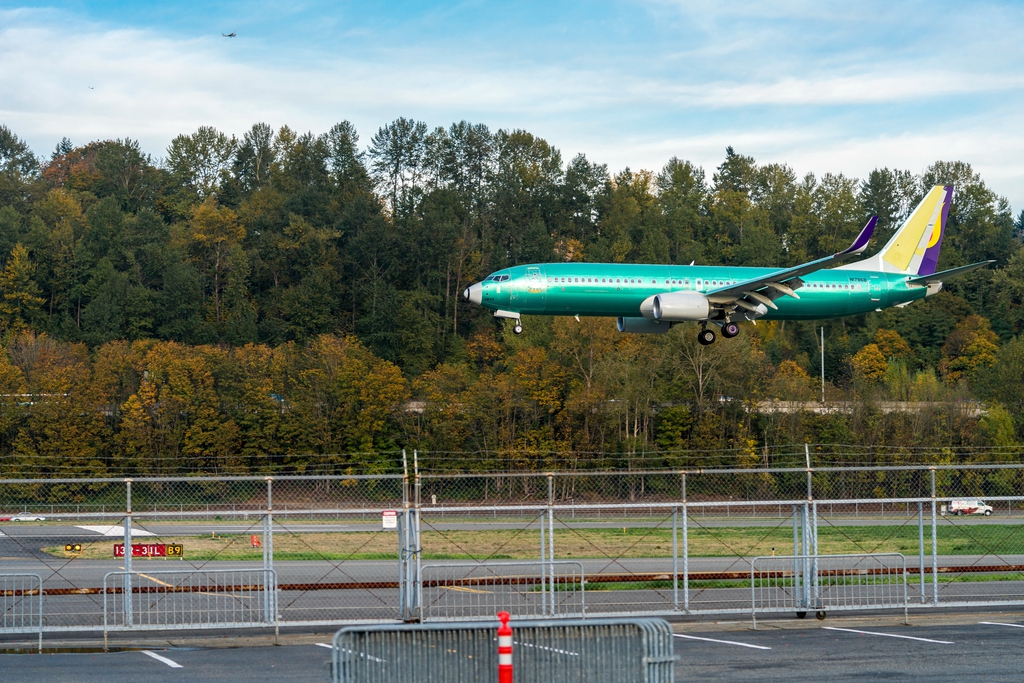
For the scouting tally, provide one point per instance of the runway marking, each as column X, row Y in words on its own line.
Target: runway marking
column 104, row 530
column 169, row 662
column 997, row 623
column 372, row 659
column 724, row 642
column 463, row 589
column 887, row 635
column 549, row 649
column 170, row 585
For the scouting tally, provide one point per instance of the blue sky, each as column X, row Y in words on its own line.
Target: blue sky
column 823, row 86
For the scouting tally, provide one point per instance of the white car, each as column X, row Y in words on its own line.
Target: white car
column 27, row 517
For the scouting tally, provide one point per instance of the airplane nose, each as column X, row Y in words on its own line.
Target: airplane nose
column 473, row 293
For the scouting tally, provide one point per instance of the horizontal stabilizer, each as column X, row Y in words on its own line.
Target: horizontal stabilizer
column 947, row 274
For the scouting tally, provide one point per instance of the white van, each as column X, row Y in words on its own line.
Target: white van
column 969, row 506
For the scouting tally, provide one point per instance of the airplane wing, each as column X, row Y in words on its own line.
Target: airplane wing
column 766, row 288
column 947, row 274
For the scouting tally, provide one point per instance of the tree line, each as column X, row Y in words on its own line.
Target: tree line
column 285, row 301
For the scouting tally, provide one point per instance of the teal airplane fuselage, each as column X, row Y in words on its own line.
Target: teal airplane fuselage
column 614, row 289
column 650, row 299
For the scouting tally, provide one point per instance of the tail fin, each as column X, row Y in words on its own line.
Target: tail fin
column 914, row 248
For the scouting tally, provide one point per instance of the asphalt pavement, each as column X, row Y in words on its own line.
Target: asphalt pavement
column 976, row 647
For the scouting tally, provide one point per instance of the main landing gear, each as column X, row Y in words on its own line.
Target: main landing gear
column 518, row 329
column 706, row 336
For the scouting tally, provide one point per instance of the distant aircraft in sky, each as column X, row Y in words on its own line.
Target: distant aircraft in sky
column 650, row 299
column 229, row 35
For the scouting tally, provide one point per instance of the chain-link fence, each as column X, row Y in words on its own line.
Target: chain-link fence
column 348, row 549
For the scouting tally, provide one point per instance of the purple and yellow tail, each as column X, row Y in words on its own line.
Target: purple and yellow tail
column 914, row 249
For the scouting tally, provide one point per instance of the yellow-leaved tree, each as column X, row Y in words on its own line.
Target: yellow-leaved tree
column 970, row 347
column 21, row 300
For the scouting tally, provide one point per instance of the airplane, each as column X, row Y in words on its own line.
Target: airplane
column 652, row 298
column 229, row 35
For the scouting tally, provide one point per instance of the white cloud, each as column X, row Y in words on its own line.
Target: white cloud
column 63, row 77
column 997, row 156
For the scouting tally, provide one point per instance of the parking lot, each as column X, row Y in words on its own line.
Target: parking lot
column 984, row 648
column 979, row 647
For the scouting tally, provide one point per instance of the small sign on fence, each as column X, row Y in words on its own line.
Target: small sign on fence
column 389, row 519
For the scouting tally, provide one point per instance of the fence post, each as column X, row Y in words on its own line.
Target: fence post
column 270, row 591
column 807, row 456
column 805, row 565
column 551, row 540
column 935, row 556
column 402, row 521
column 686, row 562
column 675, row 557
column 416, row 582
column 814, row 555
column 543, row 568
column 127, row 588
column 796, row 554
column 920, row 548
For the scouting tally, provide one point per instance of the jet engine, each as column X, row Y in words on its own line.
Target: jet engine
column 642, row 326
column 680, row 306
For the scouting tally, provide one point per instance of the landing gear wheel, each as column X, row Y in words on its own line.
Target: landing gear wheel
column 706, row 337
column 801, row 615
column 730, row 330
column 820, row 615
column 518, row 329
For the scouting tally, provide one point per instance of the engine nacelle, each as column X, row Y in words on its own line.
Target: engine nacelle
column 681, row 306
column 642, row 326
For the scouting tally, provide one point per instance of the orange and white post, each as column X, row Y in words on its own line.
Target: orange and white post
column 504, row 649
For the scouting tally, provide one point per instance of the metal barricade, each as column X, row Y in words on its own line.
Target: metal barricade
column 822, row 583
column 592, row 650
column 469, row 591
column 189, row 599
column 21, row 604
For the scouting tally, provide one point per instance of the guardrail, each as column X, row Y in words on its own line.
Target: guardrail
column 563, row 651
column 467, row 591
column 823, row 583
column 189, row 599
column 21, row 604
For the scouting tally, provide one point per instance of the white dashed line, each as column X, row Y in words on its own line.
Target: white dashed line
column 724, row 642
column 887, row 635
column 327, row 645
column 114, row 531
column 169, row 662
column 997, row 623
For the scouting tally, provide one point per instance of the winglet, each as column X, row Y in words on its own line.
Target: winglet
column 861, row 243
